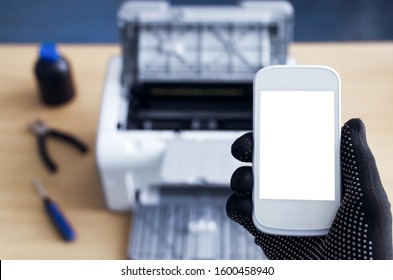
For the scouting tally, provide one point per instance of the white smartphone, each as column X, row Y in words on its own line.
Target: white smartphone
column 296, row 160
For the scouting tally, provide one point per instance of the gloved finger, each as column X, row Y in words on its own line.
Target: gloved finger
column 365, row 208
column 242, row 147
column 242, row 181
column 357, row 161
column 239, row 209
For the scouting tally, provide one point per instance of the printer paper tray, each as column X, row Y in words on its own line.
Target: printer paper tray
column 189, row 223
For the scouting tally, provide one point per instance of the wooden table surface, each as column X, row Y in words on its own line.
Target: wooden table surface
column 366, row 71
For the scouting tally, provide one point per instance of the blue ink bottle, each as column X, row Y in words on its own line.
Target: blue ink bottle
column 54, row 76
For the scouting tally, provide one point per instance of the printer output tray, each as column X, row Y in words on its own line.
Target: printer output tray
column 189, row 223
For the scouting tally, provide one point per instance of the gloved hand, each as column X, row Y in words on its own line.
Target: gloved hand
column 362, row 228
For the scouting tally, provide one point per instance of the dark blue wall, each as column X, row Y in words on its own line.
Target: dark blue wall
column 95, row 21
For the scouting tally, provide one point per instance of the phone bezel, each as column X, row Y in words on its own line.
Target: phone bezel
column 296, row 217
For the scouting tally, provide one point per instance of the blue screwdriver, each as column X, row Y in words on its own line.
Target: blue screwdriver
column 57, row 217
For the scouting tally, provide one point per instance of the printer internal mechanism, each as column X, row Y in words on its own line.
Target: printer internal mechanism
column 190, row 106
column 172, row 105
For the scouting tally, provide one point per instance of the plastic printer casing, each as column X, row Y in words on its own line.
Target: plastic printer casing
column 174, row 102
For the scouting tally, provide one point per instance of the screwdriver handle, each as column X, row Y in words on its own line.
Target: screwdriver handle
column 61, row 223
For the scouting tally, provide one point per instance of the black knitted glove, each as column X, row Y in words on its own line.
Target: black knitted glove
column 362, row 228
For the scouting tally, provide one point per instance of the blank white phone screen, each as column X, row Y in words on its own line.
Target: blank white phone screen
column 297, row 145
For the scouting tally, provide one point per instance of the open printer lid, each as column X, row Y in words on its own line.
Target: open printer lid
column 201, row 43
column 191, row 67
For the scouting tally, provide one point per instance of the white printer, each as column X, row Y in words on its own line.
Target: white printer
column 172, row 105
